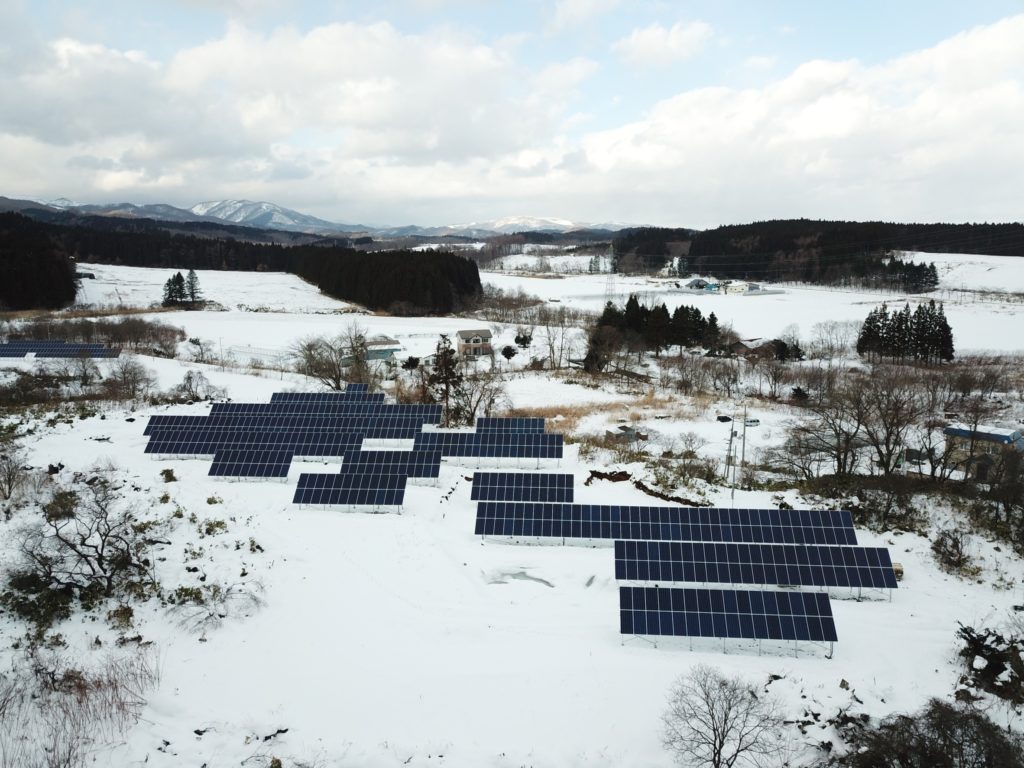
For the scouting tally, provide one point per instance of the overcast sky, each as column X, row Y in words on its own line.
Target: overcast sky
column 452, row 111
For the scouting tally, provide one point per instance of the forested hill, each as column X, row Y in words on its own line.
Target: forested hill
column 837, row 251
column 834, row 252
column 399, row 281
column 35, row 270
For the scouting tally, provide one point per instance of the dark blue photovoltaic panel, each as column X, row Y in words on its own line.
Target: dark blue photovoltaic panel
column 719, row 613
column 375, row 490
column 521, row 486
column 509, row 424
column 251, row 463
column 781, row 564
column 499, row 445
column 418, row 464
column 374, row 427
column 593, row 521
column 300, row 443
column 56, row 348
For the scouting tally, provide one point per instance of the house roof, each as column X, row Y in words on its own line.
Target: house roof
column 989, row 433
column 481, row 332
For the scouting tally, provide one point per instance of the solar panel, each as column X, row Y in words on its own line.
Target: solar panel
column 521, row 486
column 52, row 348
column 376, row 490
column 300, row 443
column 312, row 397
column 797, row 565
column 492, row 445
column 338, row 405
column 251, row 463
column 418, row 464
column 509, row 424
column 593, row 521
column 375, row 427
column 353, row 388
column 719, row 613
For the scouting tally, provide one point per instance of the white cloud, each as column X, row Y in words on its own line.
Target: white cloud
column 362, row 122
column 571, row 13
column 657, row 44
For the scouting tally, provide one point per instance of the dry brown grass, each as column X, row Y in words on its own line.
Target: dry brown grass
column 83, row 312
column 643, row 408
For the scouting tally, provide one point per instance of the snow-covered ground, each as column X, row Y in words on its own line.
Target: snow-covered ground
column 404, row 639
column 971, row 272
column 766, row 315
column 240, row 291
column 398, row 639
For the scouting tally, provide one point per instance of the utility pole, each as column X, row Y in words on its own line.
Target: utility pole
column 743, row 450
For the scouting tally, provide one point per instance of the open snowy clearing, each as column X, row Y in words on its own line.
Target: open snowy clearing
column 971, row 272
column 116, row 286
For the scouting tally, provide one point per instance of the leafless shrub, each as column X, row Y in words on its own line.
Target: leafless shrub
column 52, row 713
column 208, row 606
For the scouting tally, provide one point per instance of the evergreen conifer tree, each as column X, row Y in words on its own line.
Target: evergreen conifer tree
column 445, row 379
column 192, row 290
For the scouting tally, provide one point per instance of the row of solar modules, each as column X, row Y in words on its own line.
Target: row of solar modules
column 306, row 443
column 370, row 403
column 726, row 613
column 57, row 349
column 501, row 445
column 782, row 564
column 521, row 486
column 377, row 489
column 276, row 462
column 372, row 428
column 510, row 424
column 396, row 416
column 593, row 521
column 313, row 397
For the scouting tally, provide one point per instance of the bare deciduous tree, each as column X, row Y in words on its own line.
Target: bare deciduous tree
column 335, row 361
column 720, row 721
column 129, row 380
column 12, row 469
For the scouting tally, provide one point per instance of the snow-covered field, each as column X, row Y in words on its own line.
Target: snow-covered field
column 767, row 315
column 403, row 639
column 238, row 291
column 971, row 272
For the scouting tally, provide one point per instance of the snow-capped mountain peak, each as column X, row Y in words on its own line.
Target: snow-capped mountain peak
column 264, row 215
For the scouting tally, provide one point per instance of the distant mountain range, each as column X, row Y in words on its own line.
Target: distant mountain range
column 263, row 215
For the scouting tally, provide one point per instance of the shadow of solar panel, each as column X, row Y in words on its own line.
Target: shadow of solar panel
column 782, row 564
column 509, row 424
column 416, row 464
column 593, row 521
column 522, row 486
column 726, row 613
column 376, row 490
column 251, row 463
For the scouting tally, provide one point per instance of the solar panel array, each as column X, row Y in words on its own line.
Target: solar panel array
column 417, row 464
column 593, row 521
column 56, row 348
column 808, row 566
column 510, row 424
column 251, row 463
column 376, row 490
column 500, row 445
column 208, row 442
column 718, row 613
column 521, row 486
